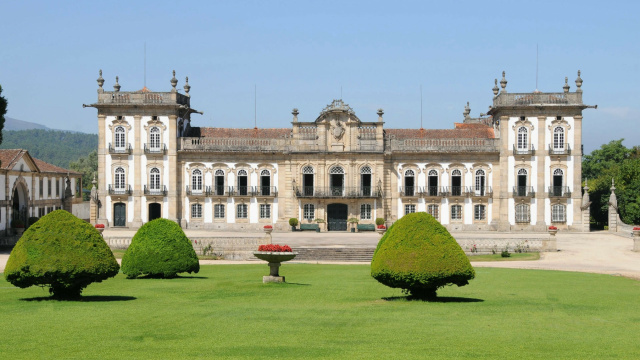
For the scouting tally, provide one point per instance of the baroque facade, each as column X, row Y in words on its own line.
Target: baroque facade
column 518, row 167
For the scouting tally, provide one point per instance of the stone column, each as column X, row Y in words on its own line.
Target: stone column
column 576, row 155
column 174, row 191
column 541, row 191
column 137, row 180
column 102, row 172
column 503, row 184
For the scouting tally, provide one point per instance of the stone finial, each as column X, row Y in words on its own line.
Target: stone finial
column 295, row 113
column 117, row 86
column 380, row 113
column 566, row 85
column 187, row 87
column 467, row 111
column 579, row 82
column 174, row 82
column 613, row 186
column 100, row 80
column 503, row 83
column 495, row 88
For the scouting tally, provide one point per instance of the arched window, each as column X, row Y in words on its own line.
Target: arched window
column 120, row 134
column 307, row 170
column 243, row 182
column 196, row 180
column 265, row 182
column 336, row 170
column 365, row 170
column 336, row 180
column 432, row 183
column 481, row 182
column 523, row 214
column 409, row 183
column 558, row 179
column 154, row 139
column 558, row 138
column 558, row 213
column 521, row 185
column 307, row 180
column 154, row 179
column 365, row 181
column 120, row 179
column 523, row 141
column 218, row 181
column 456, row 182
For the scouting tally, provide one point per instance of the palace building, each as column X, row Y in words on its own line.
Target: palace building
column 518, row 167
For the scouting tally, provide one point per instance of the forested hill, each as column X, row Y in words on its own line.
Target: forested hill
column 53, row 146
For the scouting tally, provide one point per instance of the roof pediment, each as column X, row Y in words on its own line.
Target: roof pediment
column 337, row 107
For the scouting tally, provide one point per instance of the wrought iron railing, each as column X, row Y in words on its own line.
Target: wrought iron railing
column 566, row 150
column 435, row 191
column 523, row 191
column 529, row 150
column 162, row 190
column 162, row 149
column 480, row 191
column 338, row 192
column 559, row 191
column 410, row 191
column 120, row 189
column 120, row 150
column 202, row 191
column 265, row 191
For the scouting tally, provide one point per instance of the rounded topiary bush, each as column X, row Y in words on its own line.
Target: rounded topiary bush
column 159, row 249
column 419, row 255
column 62, row 252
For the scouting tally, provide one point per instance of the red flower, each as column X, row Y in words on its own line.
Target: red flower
column 99, row 226
column 275, row 248
column 553, row 227
column 636, row 228
column 381, row 227
column 268, row 227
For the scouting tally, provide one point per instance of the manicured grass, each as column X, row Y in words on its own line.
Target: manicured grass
column 498, row 257
column 327, row 312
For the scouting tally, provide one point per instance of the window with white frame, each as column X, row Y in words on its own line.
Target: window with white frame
column 409, row 209
column 196, row 180
column 433, row 210
column 242, row 211
column 196, row 211
column 265, row 211
column 558, row 213
column 365, row 212
column 120, row 138
column 456, row 212
column 50, row 187
column 523, row 138
column 523, row 214
column 57, row 187
column 481, row 182
column 154, row 179
column 154, row 139
column 119, row 179
column 308, row 212
column 479, row 212
column 218, row 182
column 558, row 138
column 218, row 211
column 41, row 188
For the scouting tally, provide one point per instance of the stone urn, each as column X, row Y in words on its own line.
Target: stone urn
column 19, row 231
column 267, row 231
column 274, row 259
column 381, row 231
column 553, row 232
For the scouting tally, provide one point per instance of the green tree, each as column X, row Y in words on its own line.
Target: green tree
column 88, row 166
column 3, row 110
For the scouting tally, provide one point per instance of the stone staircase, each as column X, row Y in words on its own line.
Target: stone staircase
column 344, row 254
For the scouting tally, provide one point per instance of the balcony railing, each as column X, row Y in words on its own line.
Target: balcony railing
column 162, row 190
column 559, row 191
column 265, row 191
column 530, row 150
column 221, row 190
column 120, row 189
column 162, row 149
column 338, row 192
column 480, row 191
column 523, row 191
column 409, row 191
column 434, row 191
column 456, row 191
column 203, row 191
column 560, row 151
column 442, row 145
column 120, row 150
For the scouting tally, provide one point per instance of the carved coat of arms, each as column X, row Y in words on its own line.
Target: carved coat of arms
column 337, row 130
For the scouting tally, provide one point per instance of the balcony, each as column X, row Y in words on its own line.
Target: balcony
column 352, row 192
column 219, row 190
column 201, row 192
column 265, row 191
column 479, row 192
column 410, row 191
column 523, row 191
column 559, row 192
column 120, row 189
column 161, row 150
column 455, row 191
column 161, row 191
column 435, row 191
column 126, row 150
column 530, row 150
column 560, row 151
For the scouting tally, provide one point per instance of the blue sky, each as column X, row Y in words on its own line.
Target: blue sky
column 299, row 54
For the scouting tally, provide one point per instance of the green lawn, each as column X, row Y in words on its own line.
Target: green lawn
column 512, row 257
column 327, row 311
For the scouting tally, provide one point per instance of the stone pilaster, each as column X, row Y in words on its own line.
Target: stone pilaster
column 503, row 194
column 101, row 207
column 175, row 173
column 576, row 155
column 541, row 173
column 137, row 179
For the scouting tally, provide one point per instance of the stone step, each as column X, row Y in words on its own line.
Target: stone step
column 334, row 254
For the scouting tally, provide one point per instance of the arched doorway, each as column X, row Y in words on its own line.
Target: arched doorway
column 155, row 211
column 337, row 217
column 19, row 203
column 119, row 214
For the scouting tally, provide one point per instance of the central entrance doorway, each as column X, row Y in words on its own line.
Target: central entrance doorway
column 337, row 217
column 119, row 214
column 155, row 211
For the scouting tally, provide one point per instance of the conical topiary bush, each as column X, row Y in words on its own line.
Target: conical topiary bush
column 419, row 255
column 159, row 249
column 62, row 252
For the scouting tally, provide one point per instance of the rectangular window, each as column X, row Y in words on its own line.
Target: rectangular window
column 433, row 210
column 522, row 213
column 242, row 211
column 479, row 212
column 218, row 211
column 265, row 211
column 49, row 190
column 365, row 212
column 196, row 211
column 41, row 188
column 309, row 211
column 456, row 212
column 57, row 187
column 409, row 209
column 558, row 214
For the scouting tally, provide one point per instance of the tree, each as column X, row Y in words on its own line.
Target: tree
column 419, row 255
column 62, row 252
column 3, row 111
column 88, row 166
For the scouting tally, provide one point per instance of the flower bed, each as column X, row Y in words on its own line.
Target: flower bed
column 275, row 248
column 637, row 228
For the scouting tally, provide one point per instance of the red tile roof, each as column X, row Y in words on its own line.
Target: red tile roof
column 49, row 168
column 9, row 158
column 239, row 133
column 467, row 131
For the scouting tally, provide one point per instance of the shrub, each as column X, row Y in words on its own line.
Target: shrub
column 293, row 222
column 159, row 249
column 62, row 252
column 419, row 255
column 32, row 220
column 379, row 221
column 353, row 220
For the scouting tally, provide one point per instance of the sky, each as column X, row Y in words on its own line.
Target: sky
column 257, row 60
